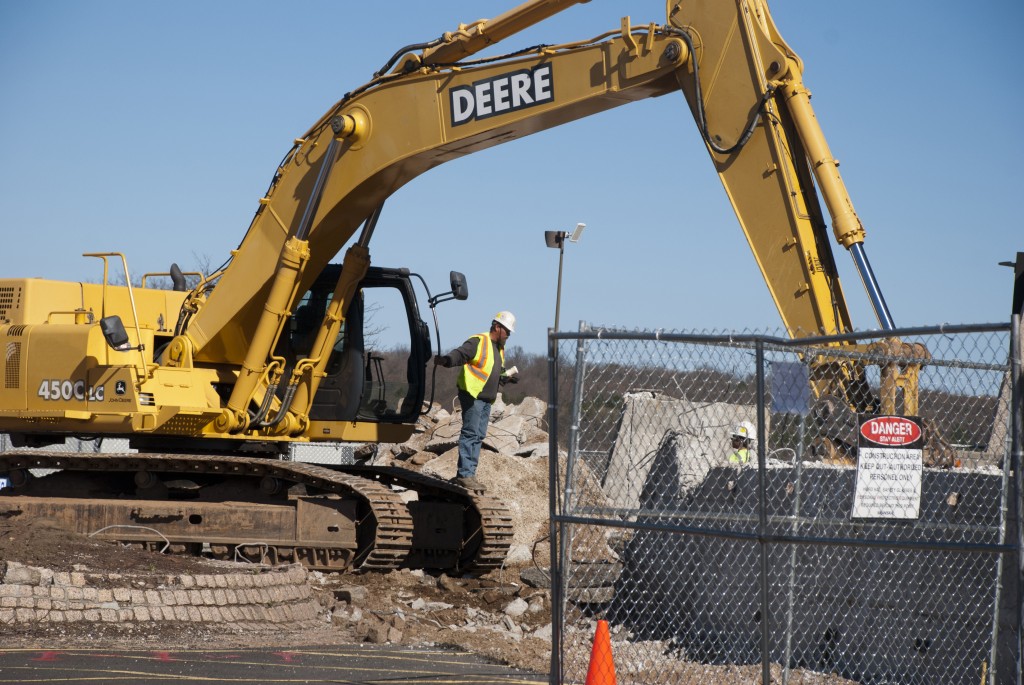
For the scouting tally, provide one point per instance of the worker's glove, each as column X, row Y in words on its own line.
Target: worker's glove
column 509, row 379
column 440, row 360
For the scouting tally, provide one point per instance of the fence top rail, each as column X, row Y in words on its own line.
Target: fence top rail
column 599, row 333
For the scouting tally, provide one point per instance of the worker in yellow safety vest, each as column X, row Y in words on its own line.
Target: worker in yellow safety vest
column 742, row 437
column 482, row 358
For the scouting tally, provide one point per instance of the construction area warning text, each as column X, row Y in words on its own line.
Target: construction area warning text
column 888, row 484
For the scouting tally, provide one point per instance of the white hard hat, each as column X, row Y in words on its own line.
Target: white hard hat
column 744, row 430
column 506, row 319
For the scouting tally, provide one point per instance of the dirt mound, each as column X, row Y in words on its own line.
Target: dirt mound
column 42, row 543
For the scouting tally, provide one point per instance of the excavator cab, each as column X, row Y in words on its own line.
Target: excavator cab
column 376, row 370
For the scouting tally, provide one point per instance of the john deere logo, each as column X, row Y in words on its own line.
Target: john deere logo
column 120, row 388
column 501, row 94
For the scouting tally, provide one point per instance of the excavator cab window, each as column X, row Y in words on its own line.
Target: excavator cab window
column 375, row 372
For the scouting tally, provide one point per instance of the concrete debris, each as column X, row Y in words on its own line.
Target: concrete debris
column 514, row 466
column 505, row 434
column 13, row 573
column 445, row 435
column 536, row 577
column 404, row 603
column 406, row 449
column 351, row 594
column 421, row 458
column 516, row 607
column 449, row 584
column 531, row 409
column 697, row 434
column 534, row 449
column 543, row 633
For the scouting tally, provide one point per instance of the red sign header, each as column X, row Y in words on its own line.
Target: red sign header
column 891, row 431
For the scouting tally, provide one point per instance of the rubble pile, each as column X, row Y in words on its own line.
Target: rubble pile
column 406, row 604
column 514, row 467
column 514, row 430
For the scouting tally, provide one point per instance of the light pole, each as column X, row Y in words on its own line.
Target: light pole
column 557, row 239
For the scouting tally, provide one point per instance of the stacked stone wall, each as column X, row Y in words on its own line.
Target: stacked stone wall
column 279, row 596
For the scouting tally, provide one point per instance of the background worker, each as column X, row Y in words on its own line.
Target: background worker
column 741, row 438
column 482, row 358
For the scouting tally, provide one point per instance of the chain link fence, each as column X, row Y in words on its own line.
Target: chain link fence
column 835, row 544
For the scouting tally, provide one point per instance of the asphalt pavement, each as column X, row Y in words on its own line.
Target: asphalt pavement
column 346, row 665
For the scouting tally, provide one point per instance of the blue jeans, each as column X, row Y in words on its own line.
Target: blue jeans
column 475, row 416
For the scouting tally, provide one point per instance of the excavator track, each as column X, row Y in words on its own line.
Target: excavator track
column 487, row 522
column 377, row 530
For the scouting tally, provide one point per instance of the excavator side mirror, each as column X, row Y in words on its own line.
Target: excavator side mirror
column 114, row 333
column 460, row 289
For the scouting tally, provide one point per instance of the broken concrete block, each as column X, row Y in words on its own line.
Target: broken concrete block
column 511, row 426
column 534, row 449
column 532, row 409
column 499, row 409
column 407, row 449
column 445, row 436
column 516, row 608
column 421, row 458
column 501, row 443
column 685, row 438
column 19, row 574
column 353, row 594
column 377, row 632
column 533, row 434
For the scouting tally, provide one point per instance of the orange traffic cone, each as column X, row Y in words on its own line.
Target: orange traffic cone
column 602, row 666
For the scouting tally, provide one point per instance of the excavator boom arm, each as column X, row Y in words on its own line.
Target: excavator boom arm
column 734, row 45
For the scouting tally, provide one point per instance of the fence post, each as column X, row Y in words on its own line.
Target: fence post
column 762, row 514
column 1016, row 436
column 554, row 672
column 577, row 393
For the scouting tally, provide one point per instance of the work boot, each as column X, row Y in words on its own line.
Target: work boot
column 471, row 483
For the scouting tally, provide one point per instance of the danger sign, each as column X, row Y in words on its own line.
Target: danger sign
column 891, row 431
column 889, row 467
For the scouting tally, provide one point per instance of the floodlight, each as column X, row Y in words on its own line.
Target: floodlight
column 577, row 234
column 554, row 238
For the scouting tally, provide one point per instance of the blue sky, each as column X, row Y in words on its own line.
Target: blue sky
column 153, row 128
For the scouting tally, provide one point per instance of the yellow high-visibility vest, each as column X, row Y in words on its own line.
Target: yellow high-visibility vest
column 476, row 371
column 741, row 456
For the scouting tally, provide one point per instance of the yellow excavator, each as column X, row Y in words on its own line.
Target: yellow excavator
column 208, row 380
